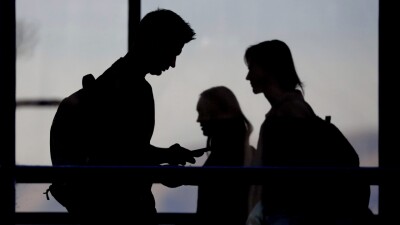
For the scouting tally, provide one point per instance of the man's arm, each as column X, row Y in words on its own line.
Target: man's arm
column 174, row 155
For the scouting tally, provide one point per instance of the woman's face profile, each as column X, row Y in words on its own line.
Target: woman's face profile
column 207, row 113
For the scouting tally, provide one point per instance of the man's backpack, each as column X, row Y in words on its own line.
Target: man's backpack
column 62, row 152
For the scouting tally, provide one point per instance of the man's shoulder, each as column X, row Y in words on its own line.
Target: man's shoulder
column 72, row 101
column 80, row 96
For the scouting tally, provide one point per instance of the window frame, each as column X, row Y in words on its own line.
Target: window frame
column 387, row 151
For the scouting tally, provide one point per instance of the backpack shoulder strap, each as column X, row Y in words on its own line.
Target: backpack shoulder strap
column 328, row 119
column 88, row 81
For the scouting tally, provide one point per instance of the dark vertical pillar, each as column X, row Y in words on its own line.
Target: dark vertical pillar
column 389, row 194
column 133, row 20
column 7, row 111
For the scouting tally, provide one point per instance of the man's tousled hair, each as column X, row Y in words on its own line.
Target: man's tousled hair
column 165, row 24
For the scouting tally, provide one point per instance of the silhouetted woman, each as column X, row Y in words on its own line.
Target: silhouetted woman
column 227, row 130
column 292, row 135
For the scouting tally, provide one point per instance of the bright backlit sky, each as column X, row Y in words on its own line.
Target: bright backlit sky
column 334, row 44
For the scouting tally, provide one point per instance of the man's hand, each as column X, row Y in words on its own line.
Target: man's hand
column 199, row 152
column 180, row 155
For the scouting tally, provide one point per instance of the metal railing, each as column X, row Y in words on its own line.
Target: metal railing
column 192, row 176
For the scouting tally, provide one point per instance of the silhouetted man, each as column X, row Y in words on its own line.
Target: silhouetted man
column 110, row 122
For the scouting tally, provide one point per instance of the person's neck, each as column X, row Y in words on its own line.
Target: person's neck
column 135, row 65
column 280, row 96
column 274, row 95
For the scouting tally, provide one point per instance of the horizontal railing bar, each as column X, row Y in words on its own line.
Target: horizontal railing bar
column 65, row 218
column 193, row 175
column 162, row 218
column 186, row 175
column 38, row 102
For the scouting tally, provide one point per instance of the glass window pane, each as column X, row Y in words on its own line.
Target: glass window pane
column 334, row 44
column 57, row 43
column 30, row 198
column 60, row 41
column 33, row 135
column 335, row 48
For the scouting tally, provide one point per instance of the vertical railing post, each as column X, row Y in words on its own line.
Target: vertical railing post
column 7, row 111
column 389, row 194
column 133, row 20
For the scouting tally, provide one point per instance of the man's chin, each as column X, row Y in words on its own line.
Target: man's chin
column 256, row 91
column 205, row 133
column 156, row 73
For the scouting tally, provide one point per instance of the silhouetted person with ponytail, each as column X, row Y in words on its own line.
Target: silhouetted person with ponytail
column 292, row 135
